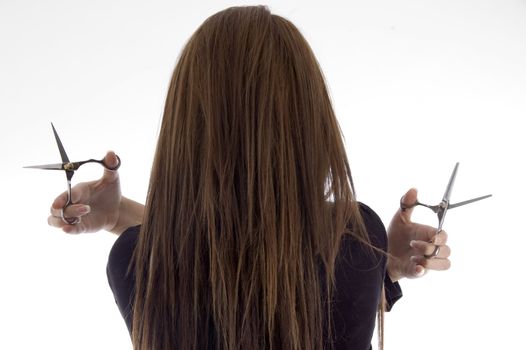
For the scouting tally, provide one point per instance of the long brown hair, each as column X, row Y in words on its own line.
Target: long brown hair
column 250, row 194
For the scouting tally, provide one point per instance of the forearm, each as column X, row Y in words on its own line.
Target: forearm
column 130, row 214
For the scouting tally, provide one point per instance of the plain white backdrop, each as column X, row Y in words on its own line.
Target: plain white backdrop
column 417, row 86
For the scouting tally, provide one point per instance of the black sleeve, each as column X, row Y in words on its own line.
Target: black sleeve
column 360, row 275
column 393, row 292
column 378, row 236
column 121, row 283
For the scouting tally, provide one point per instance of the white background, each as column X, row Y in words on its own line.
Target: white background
column 417, row 86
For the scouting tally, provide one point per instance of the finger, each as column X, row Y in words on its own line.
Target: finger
column 425, row 248
column 406, row 204
column 440, row 238
column 112, row 161
column 74, row 210
column 438, row 264
column 422, row 247
column 79, row 194
column 432, row 264
column 425, row 233
column 67, row 228
column 55, row 221
column 416, row 268
column 59, row 202
column 419, row 270
column 74, row 229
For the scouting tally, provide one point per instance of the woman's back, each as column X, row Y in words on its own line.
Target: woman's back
column 250, row 196
column 359, row 277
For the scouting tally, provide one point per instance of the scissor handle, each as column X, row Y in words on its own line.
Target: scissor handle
column 68, row 220
column 404, row 207
column 76, row 165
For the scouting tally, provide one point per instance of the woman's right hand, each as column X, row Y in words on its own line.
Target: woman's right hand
column 97, row 203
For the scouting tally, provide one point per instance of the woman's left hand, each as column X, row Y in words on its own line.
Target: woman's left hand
column 412, row 246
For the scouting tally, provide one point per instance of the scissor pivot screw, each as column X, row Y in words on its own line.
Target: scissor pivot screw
column 69, row 166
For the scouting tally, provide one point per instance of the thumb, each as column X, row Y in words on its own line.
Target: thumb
column 112, row 162
column 406, row 204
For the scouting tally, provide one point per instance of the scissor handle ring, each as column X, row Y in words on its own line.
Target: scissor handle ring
column 69, row 221
column 404, row 207
column 434, row 254
column 115, row 167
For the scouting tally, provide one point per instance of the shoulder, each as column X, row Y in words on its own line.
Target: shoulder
column 359, row 273
column 121, row 274
column 374, row 225
column 358, row 253
column 123, row 247
column 120, row 256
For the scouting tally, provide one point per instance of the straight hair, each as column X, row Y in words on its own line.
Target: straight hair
column 249, row 196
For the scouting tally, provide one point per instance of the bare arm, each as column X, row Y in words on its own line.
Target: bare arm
column 130, row 214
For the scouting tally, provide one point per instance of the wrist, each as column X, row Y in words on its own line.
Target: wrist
column 393, row 272
column 130, row 214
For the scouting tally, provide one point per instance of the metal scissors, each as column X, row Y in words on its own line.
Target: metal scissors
column 441, row 208
column 69, row 168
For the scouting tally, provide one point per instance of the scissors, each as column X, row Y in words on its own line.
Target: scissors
column 441, row 208
column 69, row 168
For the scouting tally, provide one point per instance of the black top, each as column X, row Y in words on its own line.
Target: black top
column 359, row 279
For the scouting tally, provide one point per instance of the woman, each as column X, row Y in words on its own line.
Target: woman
column 251, row 236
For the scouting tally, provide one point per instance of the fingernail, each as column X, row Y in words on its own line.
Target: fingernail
column 84, row 209
column 412, row 243
column 420, row 272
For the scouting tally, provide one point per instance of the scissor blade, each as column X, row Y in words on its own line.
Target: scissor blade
column 58, row 166
column 449, row 187
column 63, row 154
column 459, row 204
